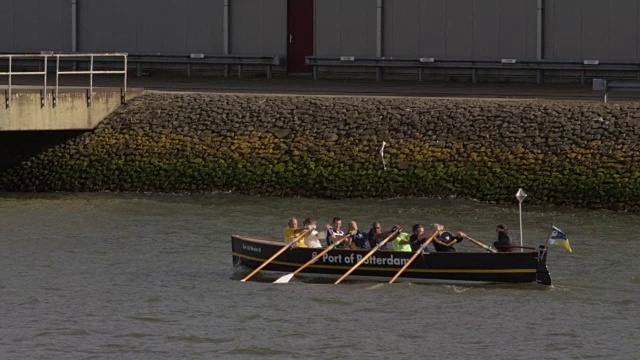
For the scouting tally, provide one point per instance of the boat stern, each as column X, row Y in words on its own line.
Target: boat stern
column 542, row 273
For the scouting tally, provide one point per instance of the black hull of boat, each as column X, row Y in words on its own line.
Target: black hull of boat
column 515, row 267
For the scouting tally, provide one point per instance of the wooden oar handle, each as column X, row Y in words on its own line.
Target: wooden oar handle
column 384, row 241
column 335, row 243
column 301, row 235
column 345, row 237
column 381, row 244
column 413, row 257
column 488, row 248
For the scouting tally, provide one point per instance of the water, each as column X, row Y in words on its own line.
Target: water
column 129, row 276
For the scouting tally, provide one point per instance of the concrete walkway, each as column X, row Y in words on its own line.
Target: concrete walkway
column 361, row 87
column 301, row 85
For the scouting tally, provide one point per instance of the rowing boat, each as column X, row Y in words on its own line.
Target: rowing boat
column 510, row 267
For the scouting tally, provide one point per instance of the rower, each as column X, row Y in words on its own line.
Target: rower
column 444, row 241
column 401, row 242
column 312, row 240
column 334, row 232
column 359, row 239
column 376, row 235
column 505, row 239
column 291, row 232
column 417, row 237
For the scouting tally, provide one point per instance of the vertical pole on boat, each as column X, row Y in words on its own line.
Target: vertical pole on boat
column 520, row 195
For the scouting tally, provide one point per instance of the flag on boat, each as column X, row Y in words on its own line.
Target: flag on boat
column 557, row 237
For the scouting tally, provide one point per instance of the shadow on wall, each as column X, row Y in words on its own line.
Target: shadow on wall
column 18, row 146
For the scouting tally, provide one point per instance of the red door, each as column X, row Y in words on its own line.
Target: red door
column 300, row 34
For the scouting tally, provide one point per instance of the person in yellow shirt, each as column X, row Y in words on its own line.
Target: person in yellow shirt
column 292, row 231
column 401, row 242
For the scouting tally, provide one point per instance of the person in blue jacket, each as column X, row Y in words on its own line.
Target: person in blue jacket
column 444, row 241
column 359, row 239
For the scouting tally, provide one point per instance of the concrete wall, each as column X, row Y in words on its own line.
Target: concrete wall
column 71, row 112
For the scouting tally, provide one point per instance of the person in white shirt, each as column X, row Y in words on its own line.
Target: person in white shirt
column 312, row 239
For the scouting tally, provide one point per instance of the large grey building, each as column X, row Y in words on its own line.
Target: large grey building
column 606, row 30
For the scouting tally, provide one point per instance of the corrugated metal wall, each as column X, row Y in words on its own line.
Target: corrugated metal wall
column 144, row 26
column 428, row 28
column 345, row 28
column 467, row 29
column 258, row 27
column 150, row 26
column 183, row 26
column 592, row 29
column 35, row 25
column 574, row 29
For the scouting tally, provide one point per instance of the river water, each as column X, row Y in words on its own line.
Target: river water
column 130, row 276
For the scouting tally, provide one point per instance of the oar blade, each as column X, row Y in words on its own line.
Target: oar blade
column 284, row 279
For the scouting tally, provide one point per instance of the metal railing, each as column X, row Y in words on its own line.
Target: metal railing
column 471, row 67
column 606, row 85
column 44, row 70
column 190, row 60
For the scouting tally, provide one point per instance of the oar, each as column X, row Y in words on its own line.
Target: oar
column 285, row 279
column 284, row 248
column 480, row 244
column 413, row 257
column 381, row 244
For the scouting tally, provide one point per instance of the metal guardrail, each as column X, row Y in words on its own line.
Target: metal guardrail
column 67, row 57
column 605, row 86
column 539, row 66
column 189, row 60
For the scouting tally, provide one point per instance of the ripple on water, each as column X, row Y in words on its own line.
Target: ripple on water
column 52, row 289
column 64, row 332
column 150, row 319
column 257, row 351
column 625, row 302
column 30, row 301
column 376, row 286
column 200, row 340
column 334, row 301
column 250, row 317
column 134, row 335
column 565, row 335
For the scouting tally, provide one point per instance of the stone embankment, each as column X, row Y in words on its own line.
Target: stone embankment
column 564, row 153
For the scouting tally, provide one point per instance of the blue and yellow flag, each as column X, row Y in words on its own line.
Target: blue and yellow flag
column 557, row 237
